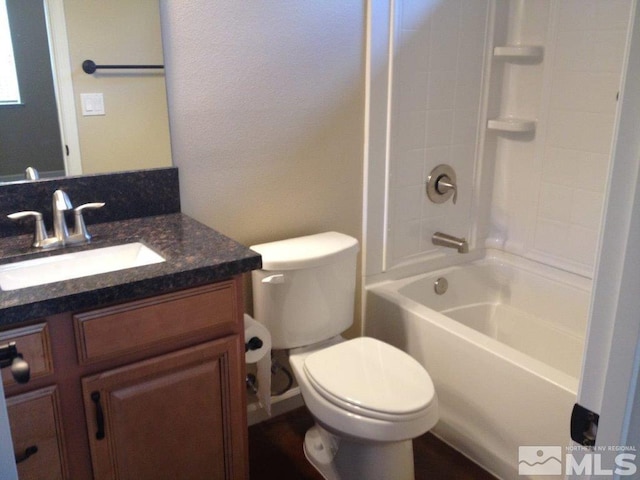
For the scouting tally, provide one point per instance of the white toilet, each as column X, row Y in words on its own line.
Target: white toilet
column 369, row 399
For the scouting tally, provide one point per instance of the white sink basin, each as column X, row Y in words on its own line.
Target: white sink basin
column 57, row 268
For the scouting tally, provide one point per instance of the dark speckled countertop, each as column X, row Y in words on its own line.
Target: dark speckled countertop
column 194, row 253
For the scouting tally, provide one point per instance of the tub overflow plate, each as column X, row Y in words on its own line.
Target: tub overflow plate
column 441, row 285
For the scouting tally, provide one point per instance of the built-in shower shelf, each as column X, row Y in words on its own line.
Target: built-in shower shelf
column 511, row 124
column 518, row 51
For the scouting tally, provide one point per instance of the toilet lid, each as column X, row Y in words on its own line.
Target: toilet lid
column 369, row 374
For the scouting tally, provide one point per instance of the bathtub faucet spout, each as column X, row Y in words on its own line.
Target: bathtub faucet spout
column 445, row 240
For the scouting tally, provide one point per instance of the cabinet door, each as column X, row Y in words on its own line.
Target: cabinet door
column 163, row 418
column 37, row 434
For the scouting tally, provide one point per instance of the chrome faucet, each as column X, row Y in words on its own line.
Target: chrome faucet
column 31, row 174
column 61, row 204
column 445, row 240
column 61, row 236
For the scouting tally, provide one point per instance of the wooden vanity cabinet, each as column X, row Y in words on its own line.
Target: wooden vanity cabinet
column 149, row 389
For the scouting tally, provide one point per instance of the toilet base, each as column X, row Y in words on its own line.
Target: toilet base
column 339, row 458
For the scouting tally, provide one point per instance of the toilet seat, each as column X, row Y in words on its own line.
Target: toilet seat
column 371, row 378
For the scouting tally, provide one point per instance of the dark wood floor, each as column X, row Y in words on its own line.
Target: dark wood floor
column 275, row 452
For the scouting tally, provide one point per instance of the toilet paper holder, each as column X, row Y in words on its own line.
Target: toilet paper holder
column 257, row 349
column 254, row 343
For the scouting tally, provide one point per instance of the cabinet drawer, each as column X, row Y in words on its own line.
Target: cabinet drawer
column 35, row 427
column 126, row 328
column 34, row 345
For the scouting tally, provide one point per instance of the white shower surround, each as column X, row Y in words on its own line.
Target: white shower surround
column 430, row 102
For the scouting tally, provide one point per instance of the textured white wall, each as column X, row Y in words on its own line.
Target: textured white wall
column 266, row 102
column 266, row 108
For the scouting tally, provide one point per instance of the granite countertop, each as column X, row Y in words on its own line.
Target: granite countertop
column 195, row 254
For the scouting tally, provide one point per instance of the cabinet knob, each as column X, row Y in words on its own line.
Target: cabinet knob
column 10, row 357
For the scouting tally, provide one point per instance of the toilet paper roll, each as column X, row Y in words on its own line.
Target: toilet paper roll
column 258, row 350
column 257, row 340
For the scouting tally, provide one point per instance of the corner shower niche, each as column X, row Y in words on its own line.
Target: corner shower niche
column 524, row 52
column 515, row 55
column 511, row 124
column 518, row 64
column 514, row 76
column 552, row 76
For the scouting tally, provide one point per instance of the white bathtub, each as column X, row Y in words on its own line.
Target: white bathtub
column 503, row 346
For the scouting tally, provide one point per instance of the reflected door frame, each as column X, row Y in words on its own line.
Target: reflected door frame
column 63, row 84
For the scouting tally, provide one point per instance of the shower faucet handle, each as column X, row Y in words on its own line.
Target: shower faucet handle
column 442, row 184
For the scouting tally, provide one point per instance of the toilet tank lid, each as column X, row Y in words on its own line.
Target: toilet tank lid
column 304, row 252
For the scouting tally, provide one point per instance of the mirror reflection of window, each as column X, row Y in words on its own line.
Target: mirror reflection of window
column 9, row 89
column 30, row 129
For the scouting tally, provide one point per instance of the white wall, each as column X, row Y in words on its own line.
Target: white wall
column 266, row 102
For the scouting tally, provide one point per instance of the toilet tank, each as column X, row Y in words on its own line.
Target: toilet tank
column 305, row 291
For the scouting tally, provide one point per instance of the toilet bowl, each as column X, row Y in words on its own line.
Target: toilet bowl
column 365, row 389
column 368, row 398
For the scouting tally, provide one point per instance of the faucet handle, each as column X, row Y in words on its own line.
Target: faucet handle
column 444, row 184
column 40, row 234
column 80, row 229
column 88, row 206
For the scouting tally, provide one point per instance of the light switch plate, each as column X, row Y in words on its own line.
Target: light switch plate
column 92, row 104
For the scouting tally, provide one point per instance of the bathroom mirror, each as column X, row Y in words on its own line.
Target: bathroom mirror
column 133, row 131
